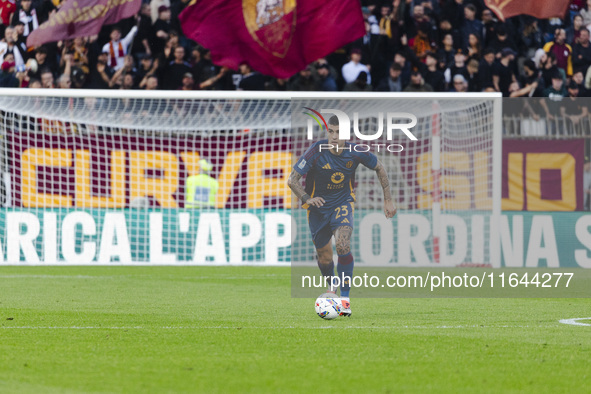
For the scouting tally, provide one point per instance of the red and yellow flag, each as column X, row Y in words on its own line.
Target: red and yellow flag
column 541, row 9
column 275, row 37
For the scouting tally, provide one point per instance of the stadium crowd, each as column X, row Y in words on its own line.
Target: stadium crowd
column 409, row 46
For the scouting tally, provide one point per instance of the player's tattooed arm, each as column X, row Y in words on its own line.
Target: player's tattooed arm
column 295, row 184
column 384, row 181
column 389, row 207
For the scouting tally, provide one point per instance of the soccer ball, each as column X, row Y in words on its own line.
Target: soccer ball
column 328, row 306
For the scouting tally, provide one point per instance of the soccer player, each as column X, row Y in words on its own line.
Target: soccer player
column 330, row 166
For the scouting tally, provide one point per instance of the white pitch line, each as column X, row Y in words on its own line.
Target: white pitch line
column 575, row 322
column 333, row 327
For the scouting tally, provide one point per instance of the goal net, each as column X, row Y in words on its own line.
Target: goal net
column 111, row 178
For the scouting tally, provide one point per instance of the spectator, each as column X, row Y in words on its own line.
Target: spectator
column 412, row 22
column 530, row 38
column 561, row 50
column 573, row 31
column 146, row 67
column 459, row 65
column 421, row 43
column 156, row 6
column 251, row 80
column 325, row 81
column 277, row 84
column 151, row 82
column 101, row 73
column 141, row 43
column 474, row 48
column 79, row 51
column 573, row 90
column 27, row 14
column 445, row 28
column 42, row 62
column 556, row 91
column 473, row 77
column 35, row 84
column 117, row 47
column 503, row 74
column 401, row 58
column 175, row 9
column 371, row 19
column 7, row 10
column 579, row 79
column 304, row 80
column 460, row 84
column 393, row 82
column 586, row 14
column 359, row 85
column 572, row 109
column 128, row 82
column 47, row 81
column 160, row 30
column 471, row 25
column 488, row 27
column 417, row 83
column 447, row 50
column 502, row 40
column 582, row 50
column 352, row 69
column 20, row 39
column 64, row 81
column 531, row 80
column 391, row 26
column 176, row 69
column 117, row 80
column 549, row 68
column 552, row 103
column 433, row 76
column 216, row 80
column 9, row 46
column 8, row 77
column 204, row 69
column 188, row 82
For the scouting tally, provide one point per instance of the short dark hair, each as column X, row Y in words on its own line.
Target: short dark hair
column 333, row 121
column 488, row 51
column 530, row 64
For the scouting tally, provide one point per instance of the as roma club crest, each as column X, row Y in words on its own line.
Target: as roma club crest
column 271, row 23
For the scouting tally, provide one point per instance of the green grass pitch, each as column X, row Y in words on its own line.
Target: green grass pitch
column 237, row 329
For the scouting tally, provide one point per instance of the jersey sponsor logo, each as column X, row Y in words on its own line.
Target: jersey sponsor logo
column 302, row 164
column 337, row 177
column 349, row 164
column 326, row 166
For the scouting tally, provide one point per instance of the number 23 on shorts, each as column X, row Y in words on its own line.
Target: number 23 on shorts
column 343, row 210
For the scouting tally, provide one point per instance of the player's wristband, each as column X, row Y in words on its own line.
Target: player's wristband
column 305, row 198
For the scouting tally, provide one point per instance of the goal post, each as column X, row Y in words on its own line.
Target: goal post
column 100, row 177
